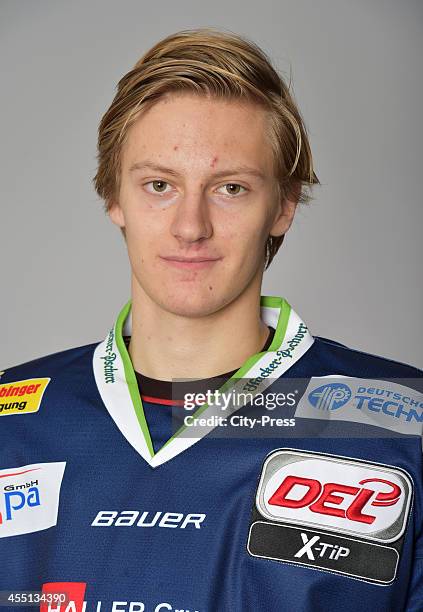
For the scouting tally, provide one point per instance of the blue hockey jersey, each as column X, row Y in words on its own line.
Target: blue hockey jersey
column 308, row 500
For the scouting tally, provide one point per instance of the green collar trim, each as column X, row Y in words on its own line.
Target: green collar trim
column 131, row 379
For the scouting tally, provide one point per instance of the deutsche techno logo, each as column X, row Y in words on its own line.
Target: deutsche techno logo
column 330, row 397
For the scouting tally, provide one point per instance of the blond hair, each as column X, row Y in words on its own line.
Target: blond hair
column 217, row 63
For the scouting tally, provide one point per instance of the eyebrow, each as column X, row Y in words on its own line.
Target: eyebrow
column 241, row 169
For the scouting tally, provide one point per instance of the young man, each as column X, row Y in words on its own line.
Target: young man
column 310, row 503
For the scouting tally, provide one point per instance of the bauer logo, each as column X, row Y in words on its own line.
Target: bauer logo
column 29, row 497
column 330, row 397
column 338, row 494
column 23, row 396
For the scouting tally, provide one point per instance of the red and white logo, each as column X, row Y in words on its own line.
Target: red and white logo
column 337, row 493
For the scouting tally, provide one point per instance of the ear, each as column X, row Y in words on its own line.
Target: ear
column 116, row 214
column 286, row 211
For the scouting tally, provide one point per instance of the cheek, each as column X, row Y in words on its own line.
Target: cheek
column 140, row 247
column 245, row 235
column 144, row 227
column 251, row 236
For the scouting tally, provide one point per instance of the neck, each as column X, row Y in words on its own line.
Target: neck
column 166, row 346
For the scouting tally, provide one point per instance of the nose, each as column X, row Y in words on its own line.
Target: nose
column 192, row 222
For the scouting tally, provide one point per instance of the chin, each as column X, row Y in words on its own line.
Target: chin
column 193, row 304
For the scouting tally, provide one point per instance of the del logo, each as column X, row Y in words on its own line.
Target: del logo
column 339, row 494
column 29, row 498
column 22, row 396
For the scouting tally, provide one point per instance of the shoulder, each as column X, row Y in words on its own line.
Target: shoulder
column 354, row 362
column 351, row 386
column 61, row 374
column 47, row 365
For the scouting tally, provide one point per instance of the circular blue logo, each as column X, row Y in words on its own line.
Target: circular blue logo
column 330, row 396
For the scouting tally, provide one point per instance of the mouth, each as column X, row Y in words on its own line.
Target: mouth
column 190, row 263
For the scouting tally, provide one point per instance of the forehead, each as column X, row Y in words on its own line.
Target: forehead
column 196, row 128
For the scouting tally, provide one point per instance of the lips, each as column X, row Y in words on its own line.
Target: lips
column 190, row 263
column 190, row 259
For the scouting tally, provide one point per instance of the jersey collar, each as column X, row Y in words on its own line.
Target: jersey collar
column 118, row 385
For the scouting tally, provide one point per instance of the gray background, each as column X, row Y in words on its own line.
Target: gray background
column 350, row 265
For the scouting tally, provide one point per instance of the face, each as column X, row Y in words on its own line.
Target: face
column 198, row 201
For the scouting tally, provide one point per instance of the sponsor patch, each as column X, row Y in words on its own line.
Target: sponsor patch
column 72, row 597
column 333, row 513
column 29, row 497
column 379, row 403
column 74, row 593
column 22, row 396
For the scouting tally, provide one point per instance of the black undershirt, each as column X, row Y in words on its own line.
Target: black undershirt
column 154, row 390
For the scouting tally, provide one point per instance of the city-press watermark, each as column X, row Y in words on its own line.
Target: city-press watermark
column 326, row 406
